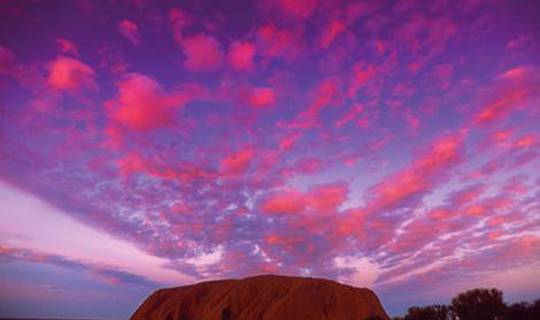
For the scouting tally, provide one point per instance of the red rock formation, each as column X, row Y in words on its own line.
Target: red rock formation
column 262, row 298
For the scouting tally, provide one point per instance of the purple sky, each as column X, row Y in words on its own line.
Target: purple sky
column 393, row 145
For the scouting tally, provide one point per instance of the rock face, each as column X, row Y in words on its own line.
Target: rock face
column 262, row 298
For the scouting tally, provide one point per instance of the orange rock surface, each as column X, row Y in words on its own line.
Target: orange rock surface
column 266, row 297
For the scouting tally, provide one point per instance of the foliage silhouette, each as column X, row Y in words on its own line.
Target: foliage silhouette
column 433, row 312
column 479, row 304
column 476, row 304
column 523, row 311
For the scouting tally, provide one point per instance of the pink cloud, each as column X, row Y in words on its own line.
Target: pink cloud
column 488, row 206
column 325, row 199
column 527, row 141
column 499, row 107
column 443, row 74
column 520, row 42
column 328, row 197
column 288, row 141
column 490, row 167
column 130, row 30
column 404, row 90
column 415, row 66
column 350, row 115
column 440, row 214
column 279, row 42
column 439, row 31
column 416, row 235
column 179, row 19
column 501, row 137
column 130, row 164
column 475, row 210
column 203, row 52
column 516, row 185
column 361, row 76
column 289, row 201
column 7, row 60
column 69, row 74
column 307, row 165
column 188, row 172
column 113, row 137
column 67, row 47
column 467, row 195
column 134, row 163
column 238, row 162
column 412, row 120
column 513, row 90
column 261, row 97
column 46, row 102
column 298, row 8
column 333, row 29
column 420, row 177
column 326, row 93
column 143, row 104
column 241, row 55
column 351, row 158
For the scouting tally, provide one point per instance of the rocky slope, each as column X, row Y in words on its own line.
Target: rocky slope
column 262, row 298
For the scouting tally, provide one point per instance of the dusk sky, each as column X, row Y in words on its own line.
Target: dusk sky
column 144, row 144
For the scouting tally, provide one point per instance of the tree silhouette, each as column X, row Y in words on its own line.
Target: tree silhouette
column 479, row 304
column 433, row 312
column 523, row 311
column 536, row 309
column 519, row 311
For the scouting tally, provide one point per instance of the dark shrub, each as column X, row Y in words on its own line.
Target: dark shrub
column 479, row 304
column 434, row 312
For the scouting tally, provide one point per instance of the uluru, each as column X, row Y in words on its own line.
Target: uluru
column 267, row 297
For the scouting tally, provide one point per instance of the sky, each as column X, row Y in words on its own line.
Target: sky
column 393, row 145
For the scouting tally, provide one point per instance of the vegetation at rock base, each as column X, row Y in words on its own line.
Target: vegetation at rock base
column 476, row 304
